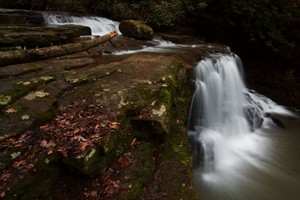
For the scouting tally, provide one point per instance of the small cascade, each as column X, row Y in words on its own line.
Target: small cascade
column 98, row 25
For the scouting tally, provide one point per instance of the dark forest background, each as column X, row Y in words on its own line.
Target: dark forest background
column 273, row 24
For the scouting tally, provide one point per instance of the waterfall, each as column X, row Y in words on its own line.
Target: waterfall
column 217, row 115
column 98, row 25
column 236, row 151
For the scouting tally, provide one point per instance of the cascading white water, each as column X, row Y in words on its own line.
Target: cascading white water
column 98, row 25
column 220, row 119
column 233, row 158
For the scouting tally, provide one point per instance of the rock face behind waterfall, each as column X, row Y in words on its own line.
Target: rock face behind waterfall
column 253, row 113
column 136, row 29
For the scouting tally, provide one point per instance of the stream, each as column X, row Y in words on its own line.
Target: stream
column 245, row 146
column 233, row 160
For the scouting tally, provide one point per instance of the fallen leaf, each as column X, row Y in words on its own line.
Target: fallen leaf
column 83, row 145
column 10, row 110
column 44, row 127
column 80, row 138
column 43, row 143
column 94, row 194
column 63, row 151
column 77, row 130
column 2, row 194
column 134, row 142
column 19, row 163
column 98, row 126
column 5, row 176
column 114, row 125
column 46, row 144
column 96, row 135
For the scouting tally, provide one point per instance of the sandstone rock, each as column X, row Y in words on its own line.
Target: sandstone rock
column 21, row 17
column 32, row 37
column 136, row 29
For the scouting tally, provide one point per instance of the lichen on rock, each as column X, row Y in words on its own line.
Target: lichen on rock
column 4, row 100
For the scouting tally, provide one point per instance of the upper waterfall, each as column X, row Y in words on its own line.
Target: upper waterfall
column 98, row 25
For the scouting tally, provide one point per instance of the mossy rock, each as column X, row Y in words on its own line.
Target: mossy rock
column 21, row 17
column 139, row 172
column 36, row 186
column 136, row 29
column 90, row 162
column 32, row 37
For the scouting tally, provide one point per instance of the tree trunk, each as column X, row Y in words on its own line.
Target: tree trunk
column 22, row 56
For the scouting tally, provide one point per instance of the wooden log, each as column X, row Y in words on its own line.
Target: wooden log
column 23, row 56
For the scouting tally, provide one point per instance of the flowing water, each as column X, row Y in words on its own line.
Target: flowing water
column 98, row 25
column 239, row 153
column 245, row 146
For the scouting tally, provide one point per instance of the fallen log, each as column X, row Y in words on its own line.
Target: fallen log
column 29, row 55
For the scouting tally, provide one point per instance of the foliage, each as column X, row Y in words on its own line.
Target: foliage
column 163, row 13
column 202, row 4
column 263, row 20
column 155, row 13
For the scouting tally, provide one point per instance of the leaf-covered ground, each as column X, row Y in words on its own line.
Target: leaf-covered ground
column 76, row 128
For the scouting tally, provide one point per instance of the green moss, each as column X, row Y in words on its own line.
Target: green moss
column 36, row 186
column 115, row 144
column 43, row 117
column 90, row 163
column 140, row 171
column 136, row 29
column 30, row 69
column 48, row 160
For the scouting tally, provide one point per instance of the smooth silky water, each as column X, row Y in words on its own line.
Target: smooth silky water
column 238, row 152
column 98, row 25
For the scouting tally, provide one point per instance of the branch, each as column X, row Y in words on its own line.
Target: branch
column 22, row 56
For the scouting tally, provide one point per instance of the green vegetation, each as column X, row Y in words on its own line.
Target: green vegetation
column 259, row 20
column 271, row 23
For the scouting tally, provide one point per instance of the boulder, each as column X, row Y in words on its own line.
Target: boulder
column 136, row 29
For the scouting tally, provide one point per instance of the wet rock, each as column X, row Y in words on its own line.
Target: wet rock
column 148, row 129
column 143, row 90
column 91, row 162
column 35, row 37
column 136, row 29
column 181, row 39
column 253, row 113
column 275, row 120
column 21, row 17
